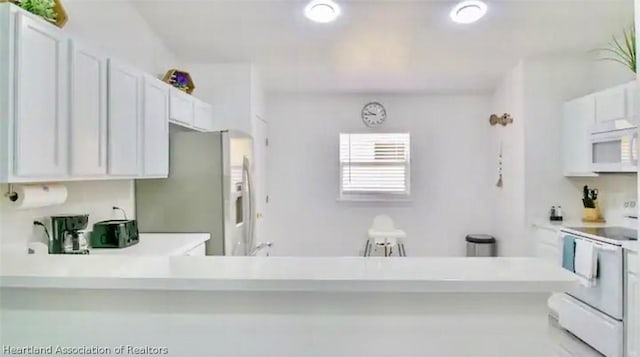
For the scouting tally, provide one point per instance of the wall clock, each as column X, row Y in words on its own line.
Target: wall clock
column 374, row 114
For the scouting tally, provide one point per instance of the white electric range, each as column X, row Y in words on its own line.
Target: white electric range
column 594, row 312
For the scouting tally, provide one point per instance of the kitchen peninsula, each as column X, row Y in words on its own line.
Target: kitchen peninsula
column 231, row 306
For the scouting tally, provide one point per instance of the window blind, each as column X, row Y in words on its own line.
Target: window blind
column 374, row 163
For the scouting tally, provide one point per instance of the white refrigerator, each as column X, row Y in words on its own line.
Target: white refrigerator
column 209, row 190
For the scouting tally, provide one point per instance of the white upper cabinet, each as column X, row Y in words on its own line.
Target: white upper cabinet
column 578, row 119
column 633, row 101
column 181, row 107
column 124, row 113
column 41, row 97
column 203, row 116
column 88, row 111
column 611, row 104
column 155, row 119
column 69, row 112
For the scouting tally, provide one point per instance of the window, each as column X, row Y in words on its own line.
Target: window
column 374, row 165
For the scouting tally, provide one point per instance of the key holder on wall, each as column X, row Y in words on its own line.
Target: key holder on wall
column 503, row 120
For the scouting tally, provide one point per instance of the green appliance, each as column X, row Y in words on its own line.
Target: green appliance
column 117, row 233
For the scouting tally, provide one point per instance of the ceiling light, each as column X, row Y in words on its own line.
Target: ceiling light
column 469, row 11
column 322, row 11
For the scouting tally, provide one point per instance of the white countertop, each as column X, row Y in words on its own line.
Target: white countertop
column 285, row 273
column 159, row 244
column 633, row 246
column 629, row 245
column 573, row 223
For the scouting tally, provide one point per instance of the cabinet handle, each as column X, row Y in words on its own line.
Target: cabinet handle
column 634, row 148
column 103, row 115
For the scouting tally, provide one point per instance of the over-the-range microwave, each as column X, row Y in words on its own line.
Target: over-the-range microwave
column 614, row 146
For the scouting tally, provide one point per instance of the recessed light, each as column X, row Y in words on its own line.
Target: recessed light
column 322, row 11
column 469, row 11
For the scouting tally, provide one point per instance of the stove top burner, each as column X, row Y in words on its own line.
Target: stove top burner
column 613, row 233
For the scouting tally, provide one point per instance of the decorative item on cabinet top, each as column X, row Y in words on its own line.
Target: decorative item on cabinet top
column 50, row 10
column 622, row 50
column 179, row 79
column 503, row 120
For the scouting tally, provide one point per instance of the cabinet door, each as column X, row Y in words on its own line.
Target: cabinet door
column 88, row 112
column 41, row 119
column 548, row 245
column 155, row 128
column 203, row 116
column 547, row 252
column 578, row 119
column 633, row 101
column 123, row 116
column 611, row 104
column 181, row 107
column 633, row 316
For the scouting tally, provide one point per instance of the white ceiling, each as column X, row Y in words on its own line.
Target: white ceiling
column 382, row 45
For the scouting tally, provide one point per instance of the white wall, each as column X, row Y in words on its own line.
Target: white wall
column 93, row 198
column 118, row 29
column 534, row 91
column 607, row 74
column 508, row 202
column 572, row 78
column 227, row 87
column 450, row 173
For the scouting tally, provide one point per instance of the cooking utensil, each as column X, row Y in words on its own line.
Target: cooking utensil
column 587, row 201
column 594, row 194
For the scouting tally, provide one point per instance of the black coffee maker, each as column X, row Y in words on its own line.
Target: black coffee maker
column 67, row 236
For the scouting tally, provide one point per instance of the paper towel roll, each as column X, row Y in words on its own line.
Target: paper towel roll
column 34, row 196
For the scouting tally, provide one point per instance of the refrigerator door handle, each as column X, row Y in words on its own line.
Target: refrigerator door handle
column 250, row 220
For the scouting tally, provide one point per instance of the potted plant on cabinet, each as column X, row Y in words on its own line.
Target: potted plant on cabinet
column 50, row 10
column 622, row 50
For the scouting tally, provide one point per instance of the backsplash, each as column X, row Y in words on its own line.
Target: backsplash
column 615, row 190
column 95, row 198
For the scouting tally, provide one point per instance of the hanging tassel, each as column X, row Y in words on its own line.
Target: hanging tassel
column 499, row 184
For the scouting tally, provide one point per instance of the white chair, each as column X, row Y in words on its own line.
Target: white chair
column 383, row 233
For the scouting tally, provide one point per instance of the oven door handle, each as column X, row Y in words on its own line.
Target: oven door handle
column 603, row 247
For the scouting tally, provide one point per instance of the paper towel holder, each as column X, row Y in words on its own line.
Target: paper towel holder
column 11, row 194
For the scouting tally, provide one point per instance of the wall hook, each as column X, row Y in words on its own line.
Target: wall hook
column 503, row 120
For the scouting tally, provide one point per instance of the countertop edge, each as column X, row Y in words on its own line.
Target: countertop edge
column 244, row 285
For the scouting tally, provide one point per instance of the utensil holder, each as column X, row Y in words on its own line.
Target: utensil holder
column 592, row 215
